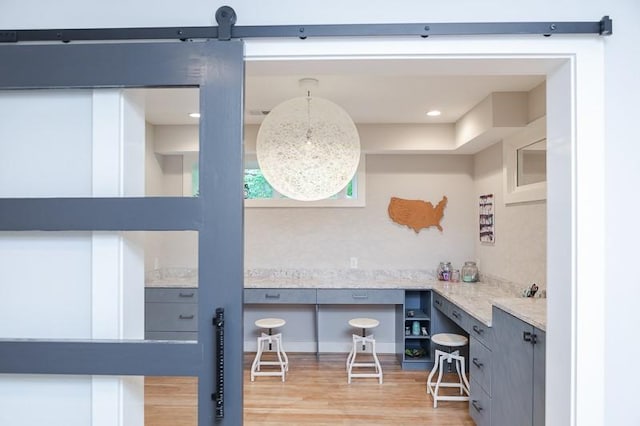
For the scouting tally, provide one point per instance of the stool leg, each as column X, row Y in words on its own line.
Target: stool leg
column 464, row 377
column 278, row 351
column 284, row 354
column 458, row 366
column 377, row 361
column 437, row 389
column 433, row 371
column 255, row 366
column 354, row 350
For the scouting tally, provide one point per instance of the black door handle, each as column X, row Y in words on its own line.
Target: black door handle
column 476, row 363
column 218, row 396
column 532, row 338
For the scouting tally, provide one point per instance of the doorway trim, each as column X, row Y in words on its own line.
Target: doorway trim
column 575, row 201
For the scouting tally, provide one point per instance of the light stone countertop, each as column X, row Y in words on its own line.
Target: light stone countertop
column 476, row 299
column 530, row 310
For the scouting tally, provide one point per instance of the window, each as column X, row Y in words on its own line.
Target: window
column 258, row 192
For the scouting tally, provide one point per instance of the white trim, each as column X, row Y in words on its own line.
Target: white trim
column 514, row 193
column 575, row 315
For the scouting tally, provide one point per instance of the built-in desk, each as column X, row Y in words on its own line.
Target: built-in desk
column 325, row 297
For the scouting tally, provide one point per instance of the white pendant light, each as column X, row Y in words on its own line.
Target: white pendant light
column 308, row 148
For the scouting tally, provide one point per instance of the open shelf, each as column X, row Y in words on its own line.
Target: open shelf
column 418, row 301
column 418, row 314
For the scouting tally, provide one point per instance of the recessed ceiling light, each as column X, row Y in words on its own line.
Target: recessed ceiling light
column 194, row 115
column 433, row 113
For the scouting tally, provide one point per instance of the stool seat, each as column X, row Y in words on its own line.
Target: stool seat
column 265, row 344
column 449, row 339
column 364, row 322
column 270, row 322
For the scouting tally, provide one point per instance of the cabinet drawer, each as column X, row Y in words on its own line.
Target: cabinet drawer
column 365, row 296
column 171, row 335
column 280, row 295
column 480, row 364
column 171, row 295
column 479, row 405
column 460, row 317
column 441, row 304
column 171, row 317
column 481, row 332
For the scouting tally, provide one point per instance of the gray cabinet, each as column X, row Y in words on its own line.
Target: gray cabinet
column 480, row 370
column 517, row 380
column 171, row 314
column 539, row 370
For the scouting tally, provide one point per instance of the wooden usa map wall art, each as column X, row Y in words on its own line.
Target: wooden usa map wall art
column 416, row 214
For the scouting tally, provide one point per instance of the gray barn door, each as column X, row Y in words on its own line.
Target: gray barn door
column 215, row 69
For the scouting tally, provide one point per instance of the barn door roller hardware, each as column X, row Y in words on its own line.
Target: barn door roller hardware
column 226, row 30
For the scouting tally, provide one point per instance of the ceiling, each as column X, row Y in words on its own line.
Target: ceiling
column 370, row 90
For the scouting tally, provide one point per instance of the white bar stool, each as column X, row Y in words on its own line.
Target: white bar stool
column 265, row 343
column 363, row 324
column 451, row 341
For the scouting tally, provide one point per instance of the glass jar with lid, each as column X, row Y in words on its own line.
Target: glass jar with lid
column 470, row 272
column 444, row 271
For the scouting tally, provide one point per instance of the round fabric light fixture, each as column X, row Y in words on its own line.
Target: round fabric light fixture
column 308, row 148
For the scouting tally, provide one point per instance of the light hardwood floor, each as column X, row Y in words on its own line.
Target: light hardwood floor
column 315, row 393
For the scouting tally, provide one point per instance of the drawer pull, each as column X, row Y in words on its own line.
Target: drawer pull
column 181, row 294
column 272, row 296
column 455, row 314
column 185, row 317
column 438, row 302
column 478, row 329
column 476, row 363
column 476, row 405
column 359, row 296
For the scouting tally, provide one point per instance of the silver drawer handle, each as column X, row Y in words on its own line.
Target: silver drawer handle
column 272, row 296
column 359, row 296
column 476, row 405
column 185, row 317
column 186, row 294
column 476, row 363
column 478, row 329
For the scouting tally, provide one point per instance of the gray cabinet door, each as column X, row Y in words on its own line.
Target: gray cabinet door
column 539, row 350
column 512, row 371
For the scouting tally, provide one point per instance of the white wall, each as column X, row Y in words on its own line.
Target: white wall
column 70, row 285
column 621, row 88
column 165, row 176
column 519, row 253
column 328, row 237
column 622, row 206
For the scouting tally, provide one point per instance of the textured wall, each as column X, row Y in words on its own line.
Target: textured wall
column 519, row 251
column 328, row 237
